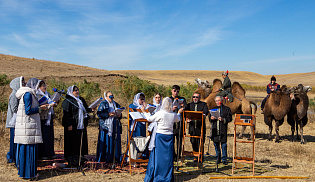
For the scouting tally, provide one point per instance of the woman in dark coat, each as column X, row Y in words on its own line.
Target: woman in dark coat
column 75, row 121
column 110, row 130
column 219, row 126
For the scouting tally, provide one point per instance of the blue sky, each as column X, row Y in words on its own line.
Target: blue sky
column 262, row 36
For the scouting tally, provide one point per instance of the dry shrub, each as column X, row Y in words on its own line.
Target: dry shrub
column 298, row 150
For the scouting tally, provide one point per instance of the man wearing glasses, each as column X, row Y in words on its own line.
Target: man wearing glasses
column 178, row 128
column 195, row 125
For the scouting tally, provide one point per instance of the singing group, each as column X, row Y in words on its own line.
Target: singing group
column 32, row 130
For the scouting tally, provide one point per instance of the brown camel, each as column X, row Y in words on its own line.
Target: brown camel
column 277, row 106
column 240, row 104
column 298, row 111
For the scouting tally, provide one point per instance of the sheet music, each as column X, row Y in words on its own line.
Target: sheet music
column 56, row 97
column 215, row 113
column 151, row 108
column 96, row 103
column 137, row 115
column 119, row 110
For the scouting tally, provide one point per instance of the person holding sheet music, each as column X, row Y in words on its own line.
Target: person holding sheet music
column 28, row 133
column 219, row 126
column 75, row 121
column 160, row 165
column 195, row 126
column 46, row 149
column 138, row 103
column 178, row 128
column 110, row 130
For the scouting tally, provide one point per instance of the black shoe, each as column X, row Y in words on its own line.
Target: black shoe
column 225, row 162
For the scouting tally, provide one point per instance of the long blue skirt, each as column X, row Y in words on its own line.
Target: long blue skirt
column 46, row 149
column 140, row 130
column 160, row 166
column 105, row 146
column 12, row 152
column 27, row 161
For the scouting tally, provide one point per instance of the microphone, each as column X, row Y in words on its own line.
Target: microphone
column 59, row 91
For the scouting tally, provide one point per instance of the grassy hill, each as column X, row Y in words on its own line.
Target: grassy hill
column 16, row 66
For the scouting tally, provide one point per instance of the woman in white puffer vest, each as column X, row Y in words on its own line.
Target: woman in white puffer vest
column 28, row 129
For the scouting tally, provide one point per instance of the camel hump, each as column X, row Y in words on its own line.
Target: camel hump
column 238, row 89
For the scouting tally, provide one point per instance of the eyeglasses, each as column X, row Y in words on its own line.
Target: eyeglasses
column 76, row 90
column 195, row 97
column 176, row 91
column 142, row 99
column 111, row 96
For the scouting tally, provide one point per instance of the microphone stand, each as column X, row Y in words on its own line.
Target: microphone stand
column 79, row 167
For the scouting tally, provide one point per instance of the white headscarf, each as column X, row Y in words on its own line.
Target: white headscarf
column 32, row 83
column 109, row 121
column 167, row 104
column 136, row 100
column 51, row 109
column 82, row 111
column 157, row 105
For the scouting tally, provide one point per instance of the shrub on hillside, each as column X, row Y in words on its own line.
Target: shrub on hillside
column 4, row 80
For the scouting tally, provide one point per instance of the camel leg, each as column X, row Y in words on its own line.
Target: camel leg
column 240, row 136
column 292, row 130
column 277, row 132
column 301, row 132
column 270, row 132
column 297, row 129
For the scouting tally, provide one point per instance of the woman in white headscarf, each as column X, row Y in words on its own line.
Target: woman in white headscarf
column 138, row 103
column 13, row 104
column 75, row 121
column 27, row 130
column 160, row 166
column 110, row 130
column 157, row 102
column 46, row 149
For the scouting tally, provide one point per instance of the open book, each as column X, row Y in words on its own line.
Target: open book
column 56, row 97
column 119, row 110
column 178, row 102
column 151, row 108
column 215, row 113
column 137, row 115
column 96, row 103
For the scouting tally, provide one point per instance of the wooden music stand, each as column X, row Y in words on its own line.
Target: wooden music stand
column 192, row 115
column 131, row 138
column 244, row 120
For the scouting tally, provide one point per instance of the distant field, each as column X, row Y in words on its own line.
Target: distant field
column 16, row 66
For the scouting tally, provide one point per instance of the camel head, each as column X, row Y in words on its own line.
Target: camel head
column 202, row 84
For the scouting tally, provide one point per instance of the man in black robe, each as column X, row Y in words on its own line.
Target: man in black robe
column 195, row 125
column 178, row 128
column 219, row 129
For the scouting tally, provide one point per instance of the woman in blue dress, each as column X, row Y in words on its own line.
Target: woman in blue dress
column 27, row 129
column 109, row 138
column 160, row 166
column 13, row 104
column 46, row 149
